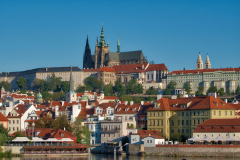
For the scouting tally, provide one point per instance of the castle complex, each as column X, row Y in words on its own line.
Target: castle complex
column 103, row 57
column 226, row 78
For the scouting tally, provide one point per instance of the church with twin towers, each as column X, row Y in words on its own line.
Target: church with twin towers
column 104, row 57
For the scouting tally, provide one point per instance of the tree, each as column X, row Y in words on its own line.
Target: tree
column 38, row 84
column 167, row 91
column 151, row 91
column 212, row 89
column 92, row 83
column 187, row 87
column 82, row 132
column 80, row 88
column 199, row 92
column 21, row 83
column 178, row 137
column 132, row 87
column 3, row 135
column 238, row 90
column 136, row 100
column 47, row 96
column 126, row 98
column 221, row 92
column 65, row 86
column 6, row 85
column 55, row 82
column 59, row 96
column 44, row 122
column 18, row 134
column 124, row 141
column 117, row 86
column 61, row 122
column 170, row 89
column 108, row 89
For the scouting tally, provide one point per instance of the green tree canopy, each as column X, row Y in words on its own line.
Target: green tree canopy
column 238, row 90
column 59, row 96
column 82, row 132
column 21, row 83
column 187, row 87
column 132, row 87
column 47, row 96
column 221, row 92
column 151, row 91
column 108, row 89
column 64, row 86
column 44, row 122
column 212, row 89
column 167, row 91
column 170, row 89
column 199, row 92
column 61, row 122
column 6, row 85
column 178, row 137
column 80, row 88
column 3, row 135
column 92, row 83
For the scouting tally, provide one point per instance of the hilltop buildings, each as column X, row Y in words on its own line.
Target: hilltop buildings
column 103, row 56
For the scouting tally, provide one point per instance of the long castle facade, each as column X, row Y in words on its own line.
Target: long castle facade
column 103, row 57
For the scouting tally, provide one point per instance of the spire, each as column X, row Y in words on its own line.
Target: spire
column 118, row 45
column 87, row 58
column 199, row 58
column 97, row 42
column 71, row 86
column 207, row 63
column 102, row 40
column 199, row 63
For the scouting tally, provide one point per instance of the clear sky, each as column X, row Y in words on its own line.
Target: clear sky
column 42, row 33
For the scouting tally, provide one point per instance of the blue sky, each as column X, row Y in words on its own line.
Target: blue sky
column 53, row 33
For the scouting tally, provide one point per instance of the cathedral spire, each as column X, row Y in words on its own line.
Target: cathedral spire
column 102, row 40
column 87, row 58
column 118, row 45
column 71, row 86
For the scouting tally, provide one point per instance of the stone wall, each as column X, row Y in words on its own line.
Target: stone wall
column 15, row 149
column 187, row 150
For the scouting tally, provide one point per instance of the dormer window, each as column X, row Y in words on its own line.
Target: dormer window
column 133, row 109
column 126, row 109
column 118, row 109
column 62, row 135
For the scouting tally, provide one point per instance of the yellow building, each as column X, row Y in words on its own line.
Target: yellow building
column 182, row 115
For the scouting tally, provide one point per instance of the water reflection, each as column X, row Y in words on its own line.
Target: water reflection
column 112, row 157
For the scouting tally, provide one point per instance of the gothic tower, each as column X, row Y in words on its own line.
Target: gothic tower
column 87, row 58
column 199, row 63
column 207, row 63
column 118, row 46
column 101, row 49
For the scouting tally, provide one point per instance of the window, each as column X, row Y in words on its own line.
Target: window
column 230, row 113
column 187, row 114
column 219, row 113
column 162, row 122
column 17, row 128
column 9, row 128
column 9, row 122
column 187, row 122
column 13, row 121
column 161, row 113
column 13, row 128
column 214, row 113
column 198, row 121
column 172, row 123
column 183, row 122
column 182, row 113
column 150, row 141
column 147, row 141
column 186, row 130
column 182, row 130
column 178, row 122
column 154, row 114
column 225, row 113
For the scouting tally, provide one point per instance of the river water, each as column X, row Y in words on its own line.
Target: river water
column 111, row 157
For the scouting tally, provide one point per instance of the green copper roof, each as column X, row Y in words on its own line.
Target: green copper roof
column 118, row 45
column 102, row 41
column 2, row 87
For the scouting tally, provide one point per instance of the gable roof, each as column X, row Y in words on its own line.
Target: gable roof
column 2, row 117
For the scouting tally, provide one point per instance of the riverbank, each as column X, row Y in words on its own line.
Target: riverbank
column 186, row 150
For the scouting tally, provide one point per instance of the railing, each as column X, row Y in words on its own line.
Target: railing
column 54, row 152
column 37, row 144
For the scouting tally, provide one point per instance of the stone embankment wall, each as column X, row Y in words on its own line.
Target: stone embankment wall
column 15, row 149
column 187, row 150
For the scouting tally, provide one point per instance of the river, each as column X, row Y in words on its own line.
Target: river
column 111, row 157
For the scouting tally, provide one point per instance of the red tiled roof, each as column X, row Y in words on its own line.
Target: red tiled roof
column 2, row 117
column 191, row 103
column 84, row 112
column 219, row 125
column 20, row 109
column 111, row 97
column 106, row 69
column 236, row 106
column 130, row 68
column 122, row 108
column 154, row 67
column 204, row 70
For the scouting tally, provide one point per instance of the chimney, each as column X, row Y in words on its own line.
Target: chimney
column 131, row 103
column 126, row 102
column 142, row 66
column 62, row 103
column 149, row 135
column 142, row 102
column 56, row 112
column 226, row 101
